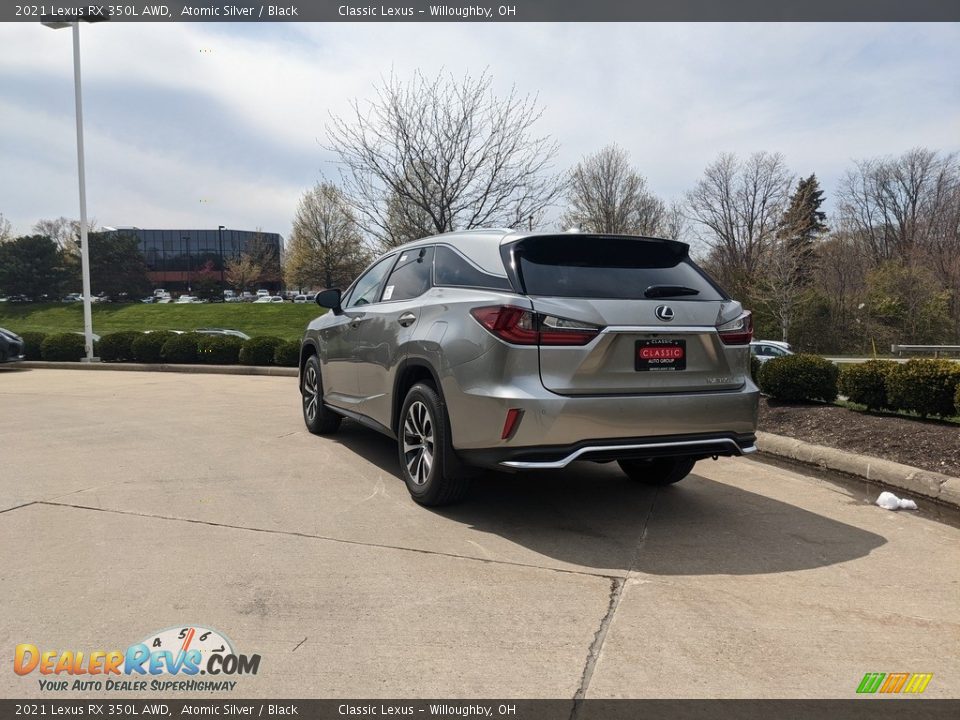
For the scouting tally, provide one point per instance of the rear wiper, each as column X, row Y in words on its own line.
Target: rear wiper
column 659, row 291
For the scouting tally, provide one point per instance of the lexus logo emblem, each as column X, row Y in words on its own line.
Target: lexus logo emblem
column 664, row 312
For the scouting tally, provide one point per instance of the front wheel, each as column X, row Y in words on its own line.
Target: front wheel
column 430, row 468
column 658, row 471
column 319, row 419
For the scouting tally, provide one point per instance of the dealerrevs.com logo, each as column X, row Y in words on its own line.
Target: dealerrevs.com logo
column 182, row 653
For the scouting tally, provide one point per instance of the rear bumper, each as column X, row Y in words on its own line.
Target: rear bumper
column 559, row 456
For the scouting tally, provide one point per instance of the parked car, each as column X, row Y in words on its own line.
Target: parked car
column 188, row 300
column 223, row 331
column 233, row 299
column 149, row 300
column 263, row 293
column 521, row 351
column 764, row 350
column 73, row 297
column 263, row 299
column 160, row 292
column 302, row 299
column 11, row 346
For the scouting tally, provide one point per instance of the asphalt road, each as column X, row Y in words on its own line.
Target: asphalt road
column 132, row 502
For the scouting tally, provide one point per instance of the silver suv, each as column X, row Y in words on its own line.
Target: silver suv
column 515, row 351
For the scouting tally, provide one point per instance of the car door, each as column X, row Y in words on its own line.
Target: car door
column 339, row 338
column 387, row 327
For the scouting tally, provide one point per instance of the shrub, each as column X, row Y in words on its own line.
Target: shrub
column 180, row 348
column 32, row 341
column 754, row 367
column 219, row 349
column 287, row 354
column 63, row 347
column 799, row 377
column 259, row 351
column 147, row 347
column 118, row 346
column 927, row 387
column 866, row 383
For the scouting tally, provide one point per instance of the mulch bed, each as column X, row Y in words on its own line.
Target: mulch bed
column 926, row 444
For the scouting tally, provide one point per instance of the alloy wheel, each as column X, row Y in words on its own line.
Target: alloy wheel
column 418, row 447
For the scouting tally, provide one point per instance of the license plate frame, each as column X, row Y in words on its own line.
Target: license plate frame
column 660, row 364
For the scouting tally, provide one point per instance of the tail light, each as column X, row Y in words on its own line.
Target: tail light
column 525, row 327
column 739, row 331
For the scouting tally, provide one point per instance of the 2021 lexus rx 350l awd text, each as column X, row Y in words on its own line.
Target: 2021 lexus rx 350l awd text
column 506, row 350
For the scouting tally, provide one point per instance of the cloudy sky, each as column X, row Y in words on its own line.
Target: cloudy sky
column 197, row 125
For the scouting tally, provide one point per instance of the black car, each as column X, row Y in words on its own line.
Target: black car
column 11, row 346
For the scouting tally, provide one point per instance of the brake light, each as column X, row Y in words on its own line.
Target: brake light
column 739, row 331
column 525, row 327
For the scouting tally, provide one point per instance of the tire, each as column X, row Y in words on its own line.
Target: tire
column 428, row 464
column 658, row 471
column 319, row 419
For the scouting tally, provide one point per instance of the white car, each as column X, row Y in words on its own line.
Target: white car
column 188, row 300
column 764, row 350
column 264, row 299
column 263, row 293
column 303, row 299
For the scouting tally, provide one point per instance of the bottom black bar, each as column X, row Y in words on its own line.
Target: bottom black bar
column 863, row 708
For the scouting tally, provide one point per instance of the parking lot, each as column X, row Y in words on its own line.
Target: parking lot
column 133, row 501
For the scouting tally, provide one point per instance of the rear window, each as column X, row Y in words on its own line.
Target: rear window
column 583, row 266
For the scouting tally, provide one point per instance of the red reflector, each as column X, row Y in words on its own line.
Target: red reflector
column 511, row 423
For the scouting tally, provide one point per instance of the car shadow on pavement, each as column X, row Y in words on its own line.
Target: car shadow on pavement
column 594, row 516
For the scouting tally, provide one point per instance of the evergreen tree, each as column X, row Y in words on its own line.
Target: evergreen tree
column 803, row 221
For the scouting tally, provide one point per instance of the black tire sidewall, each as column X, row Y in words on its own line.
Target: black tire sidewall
column 431, row 489
column 325, row 421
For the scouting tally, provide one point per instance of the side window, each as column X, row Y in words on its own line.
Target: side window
column 411, row 277
column 452, row 268
column 367, row 288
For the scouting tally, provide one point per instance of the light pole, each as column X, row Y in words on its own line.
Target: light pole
column 84, row 247
column 220, row 229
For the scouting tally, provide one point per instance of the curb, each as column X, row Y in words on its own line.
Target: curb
column 935, row 486
column 161, row 367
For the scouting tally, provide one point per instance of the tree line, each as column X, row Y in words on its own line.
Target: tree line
column 436, row 154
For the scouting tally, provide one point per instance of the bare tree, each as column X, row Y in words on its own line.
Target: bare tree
column 738, row 206
column 897, row 205
column 326, row 247
column 445, row 149
column 606, row 195
column 6, row 230
column 63, row 231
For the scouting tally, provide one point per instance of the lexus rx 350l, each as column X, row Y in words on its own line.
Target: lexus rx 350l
column 513, row 351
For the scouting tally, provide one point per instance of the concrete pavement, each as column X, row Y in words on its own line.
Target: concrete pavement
column 131, row 502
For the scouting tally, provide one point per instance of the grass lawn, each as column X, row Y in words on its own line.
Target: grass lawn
column 287, row 320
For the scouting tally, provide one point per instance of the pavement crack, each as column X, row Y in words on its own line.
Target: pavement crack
column 17, row 507
column 617, row 586
column 326, row 538
column 299, row 644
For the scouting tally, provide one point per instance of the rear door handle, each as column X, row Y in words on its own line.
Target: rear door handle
column 407, row 319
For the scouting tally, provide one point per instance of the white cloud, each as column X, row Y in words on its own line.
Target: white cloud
column 246, row 108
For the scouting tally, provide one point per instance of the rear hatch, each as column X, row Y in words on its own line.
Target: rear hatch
column 656, row 315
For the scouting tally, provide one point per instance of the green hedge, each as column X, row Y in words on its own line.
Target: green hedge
column 259, row 350
column 927, row 387
column 118, row 346
column 866, row 383
column 147, row 347
column 219, row 349
column 799, row 377
column 180, row 349
column 32, row 343
column 63, row 347
column 287, row 354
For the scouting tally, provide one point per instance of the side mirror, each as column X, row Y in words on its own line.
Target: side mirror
column 330, row 299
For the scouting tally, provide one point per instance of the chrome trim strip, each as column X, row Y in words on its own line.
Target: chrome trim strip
column 557, row 464
column 665, row 328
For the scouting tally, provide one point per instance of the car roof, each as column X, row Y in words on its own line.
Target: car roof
column 483, row 245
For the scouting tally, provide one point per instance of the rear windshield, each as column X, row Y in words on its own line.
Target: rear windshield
column 584, row 266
